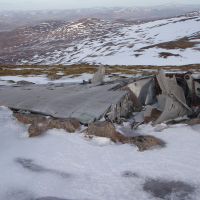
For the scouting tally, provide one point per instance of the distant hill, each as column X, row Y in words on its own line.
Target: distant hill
column 10, row 20
column 167, row 41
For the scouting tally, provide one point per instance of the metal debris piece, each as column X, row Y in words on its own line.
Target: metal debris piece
column 167, row 96
column 144, row 89
column 172, row 100
column 98, row 77
column 157, row 98
column 86, row 103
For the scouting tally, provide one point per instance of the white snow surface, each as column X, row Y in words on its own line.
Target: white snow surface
column 69, row 166
column 124, row 46
column 43, row 79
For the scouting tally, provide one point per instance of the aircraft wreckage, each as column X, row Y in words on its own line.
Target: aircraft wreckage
column 156, row 98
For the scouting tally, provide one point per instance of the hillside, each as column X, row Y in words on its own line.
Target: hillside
column 11, row 19
column 173, row 41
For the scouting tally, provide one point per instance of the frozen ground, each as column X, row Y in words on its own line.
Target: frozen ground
column 68, row 166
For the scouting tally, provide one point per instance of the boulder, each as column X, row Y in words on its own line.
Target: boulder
column 37, row 129
column 145, row 142
column 107, row 129
column 28, row 118
column 40, row 124
column 104, row 129
column 70, row 125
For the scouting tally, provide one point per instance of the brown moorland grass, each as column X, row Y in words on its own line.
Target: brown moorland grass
column 182, row 43
column 57, row 71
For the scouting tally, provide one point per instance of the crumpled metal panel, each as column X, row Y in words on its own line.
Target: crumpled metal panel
column 172, row 100
column 144, row 90
column 87, row 103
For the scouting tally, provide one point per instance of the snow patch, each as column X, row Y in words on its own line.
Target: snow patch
column 32, row 168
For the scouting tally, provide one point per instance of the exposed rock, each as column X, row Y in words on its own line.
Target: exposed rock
column 70, row 125
column 105, row 129
column 145, row 142
column 37, row 129
column 29, row 118
column 40, row 124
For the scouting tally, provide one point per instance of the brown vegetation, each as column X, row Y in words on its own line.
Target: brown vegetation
column 57, row 71
column 182, row 43
column 167, row 54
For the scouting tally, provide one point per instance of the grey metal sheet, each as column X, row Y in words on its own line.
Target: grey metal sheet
column 84, row 102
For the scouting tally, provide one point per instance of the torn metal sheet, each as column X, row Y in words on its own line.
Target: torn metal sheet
column 167, row 96
column 144, row 89
column 87, row 102
column 98, row 77
column 172, row 101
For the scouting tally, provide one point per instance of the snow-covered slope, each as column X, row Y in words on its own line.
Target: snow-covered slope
column 174, row 41
column 68, row 166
